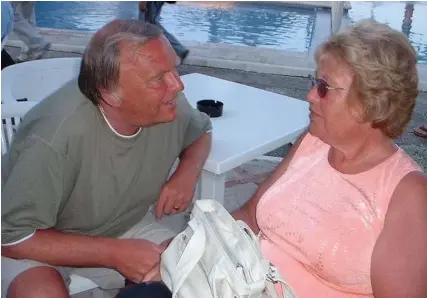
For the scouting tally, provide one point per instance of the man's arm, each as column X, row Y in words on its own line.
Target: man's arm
column 133, row 258
column 193, row 157
column 178, row 192
column 247, row 212
column 31, row 198
column 57, row 248
column 399, row 259
column 197, row 142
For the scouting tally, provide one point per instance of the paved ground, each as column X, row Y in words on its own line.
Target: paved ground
column 243, row 181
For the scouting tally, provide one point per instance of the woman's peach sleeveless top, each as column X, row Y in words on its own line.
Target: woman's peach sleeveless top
column 319, row 226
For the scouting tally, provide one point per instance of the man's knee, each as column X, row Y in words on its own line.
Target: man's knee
column 38, row 282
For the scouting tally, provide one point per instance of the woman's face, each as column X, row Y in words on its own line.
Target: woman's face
column 330, row 117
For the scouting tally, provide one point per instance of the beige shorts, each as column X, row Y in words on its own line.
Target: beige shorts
column 148, row 228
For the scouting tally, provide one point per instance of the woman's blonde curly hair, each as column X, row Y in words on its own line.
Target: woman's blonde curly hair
column 385, row 73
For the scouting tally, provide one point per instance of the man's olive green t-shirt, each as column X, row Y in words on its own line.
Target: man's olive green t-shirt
column 68, row 170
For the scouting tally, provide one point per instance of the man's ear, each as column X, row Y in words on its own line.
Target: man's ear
column 112, row 98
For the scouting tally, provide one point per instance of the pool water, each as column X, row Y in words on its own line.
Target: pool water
column 411, row 19
column 256, row 24
column 267, row 25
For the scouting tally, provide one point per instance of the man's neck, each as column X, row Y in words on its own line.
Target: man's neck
column 116, row 123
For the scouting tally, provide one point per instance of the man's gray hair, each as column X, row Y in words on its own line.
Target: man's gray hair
column 99, row 69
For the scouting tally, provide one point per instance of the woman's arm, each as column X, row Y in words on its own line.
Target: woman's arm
column 399, row 259
column 247, row 212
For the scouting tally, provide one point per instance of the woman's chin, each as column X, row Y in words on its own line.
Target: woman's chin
column 313, row 129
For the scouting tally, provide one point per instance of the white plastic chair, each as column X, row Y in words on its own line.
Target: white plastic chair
column 35, row 80
column 11, row 115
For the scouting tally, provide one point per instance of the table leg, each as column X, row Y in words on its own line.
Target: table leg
column 212, row 186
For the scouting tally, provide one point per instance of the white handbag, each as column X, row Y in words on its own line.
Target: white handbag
column 218, row 257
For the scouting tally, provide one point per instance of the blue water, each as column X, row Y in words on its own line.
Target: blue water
column 255, row 24
column 412, row 21
column 267, row 25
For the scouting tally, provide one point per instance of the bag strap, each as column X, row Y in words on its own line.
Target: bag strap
column 192, row 254
column 274, row 277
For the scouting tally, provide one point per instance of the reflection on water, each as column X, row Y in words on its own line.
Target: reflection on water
column 256, row 24
column 243, row 23
column 410, row 18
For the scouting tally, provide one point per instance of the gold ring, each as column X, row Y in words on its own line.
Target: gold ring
column 175, row 208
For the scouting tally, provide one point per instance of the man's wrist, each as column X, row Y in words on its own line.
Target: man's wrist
column 109, row 254
column 188, row 170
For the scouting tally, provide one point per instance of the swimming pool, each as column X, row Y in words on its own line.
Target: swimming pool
column 410, row 18
column 254, row 24
column 267, row 25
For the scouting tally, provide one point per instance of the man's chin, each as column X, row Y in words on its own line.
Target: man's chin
column 168, row 118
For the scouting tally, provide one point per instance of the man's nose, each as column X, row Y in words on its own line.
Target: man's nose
column 174, row 81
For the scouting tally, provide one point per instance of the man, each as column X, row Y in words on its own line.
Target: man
column 149, row 11
column 25, row 28
column 88, row 161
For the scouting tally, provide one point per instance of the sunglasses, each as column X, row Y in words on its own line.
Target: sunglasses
column 322, row 86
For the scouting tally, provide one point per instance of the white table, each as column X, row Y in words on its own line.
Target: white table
column 253, row 123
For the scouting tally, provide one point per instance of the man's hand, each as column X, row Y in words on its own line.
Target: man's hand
column 153, row 274
column 176, row 195
column 178, row 192
column 136, row 257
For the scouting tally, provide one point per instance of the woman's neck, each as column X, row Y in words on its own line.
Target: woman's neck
column 361, row 154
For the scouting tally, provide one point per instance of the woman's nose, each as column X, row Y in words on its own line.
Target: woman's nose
column 312, row 95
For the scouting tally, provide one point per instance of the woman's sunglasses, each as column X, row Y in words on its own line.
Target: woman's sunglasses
column 322, row 86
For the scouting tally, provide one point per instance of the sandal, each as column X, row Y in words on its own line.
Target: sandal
column 421, row 131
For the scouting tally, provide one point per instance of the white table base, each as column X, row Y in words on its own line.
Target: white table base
column 211, row 186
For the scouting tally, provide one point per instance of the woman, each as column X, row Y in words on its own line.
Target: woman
column 345, row 213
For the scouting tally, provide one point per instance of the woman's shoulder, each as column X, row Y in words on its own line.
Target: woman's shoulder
column 401, row 165
column 412, row 185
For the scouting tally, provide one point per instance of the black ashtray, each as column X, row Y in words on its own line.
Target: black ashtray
column 213, row 108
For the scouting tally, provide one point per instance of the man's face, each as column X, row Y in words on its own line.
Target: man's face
column 148, row 83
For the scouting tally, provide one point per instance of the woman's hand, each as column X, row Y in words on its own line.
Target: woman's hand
column 248, row 217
